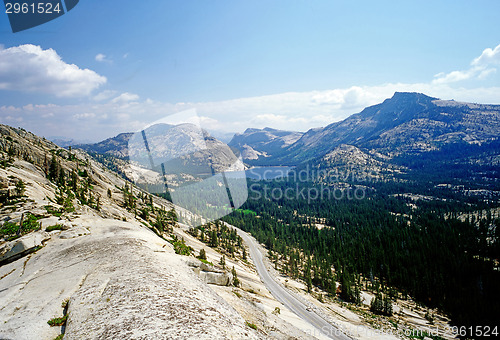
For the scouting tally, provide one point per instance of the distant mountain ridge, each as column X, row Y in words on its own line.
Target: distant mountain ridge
column 256, row 144
column 115, row 146
column 406, row 124
column 64, row 142
column 182, row 148
column 400, row 130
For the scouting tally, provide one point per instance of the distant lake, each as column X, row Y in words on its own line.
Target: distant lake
column 261, row 173
column 268, row 172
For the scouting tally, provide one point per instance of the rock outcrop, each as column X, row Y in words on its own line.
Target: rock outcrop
column 11, row 251
column 209, row 274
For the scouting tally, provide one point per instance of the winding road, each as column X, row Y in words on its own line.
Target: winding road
column 319, row 324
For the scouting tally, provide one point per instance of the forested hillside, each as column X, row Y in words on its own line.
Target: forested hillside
column 387, row 241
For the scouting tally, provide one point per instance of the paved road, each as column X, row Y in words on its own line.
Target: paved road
column 319, row 325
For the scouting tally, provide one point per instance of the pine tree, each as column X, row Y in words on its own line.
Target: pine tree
column 53, row 169
column 346, row 287
column 203, row 255
column 74, row 180
column 172, row 215
column 236, row 282
column 61, row 181
column 387, row 310
column 222, row 261
column 381, row 305
column 309, row 282
column 377, row 305
column 20, row 188
column 214, row 242
column 357, row 295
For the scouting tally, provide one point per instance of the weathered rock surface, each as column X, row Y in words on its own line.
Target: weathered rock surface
column 122, row 281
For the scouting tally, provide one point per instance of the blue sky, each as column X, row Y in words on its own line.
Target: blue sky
column 112, row 66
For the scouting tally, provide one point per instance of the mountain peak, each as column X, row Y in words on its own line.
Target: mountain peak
column 411, row 96
column 250, row 130
column 400, row 108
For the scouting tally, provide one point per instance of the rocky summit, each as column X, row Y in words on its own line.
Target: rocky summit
column 406, row 124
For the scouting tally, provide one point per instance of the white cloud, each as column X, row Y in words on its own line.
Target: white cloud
column 85, row 115
column 344, row 98
column 14, row 120
column 481, row 67
column 488, row 57
column 29, row 68
column 102, row 58
column 125, row 98
column 28, row 107
column 454, row 76
column 104, row 95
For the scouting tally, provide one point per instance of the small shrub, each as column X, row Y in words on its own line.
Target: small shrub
column 54, row 227
column 58, row 321
column 206, row 262
column 251, row 325
column 8, row 228
column 64, row 304
column 53, row 211
column 181, row 248
column 429, row 317
column 30, row 223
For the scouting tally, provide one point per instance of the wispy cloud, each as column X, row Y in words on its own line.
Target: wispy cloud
column 125, row 98
column 104, row 95
column 488, row 57
column 85, row 115
column 480, row 68
column 29, row 68
column 102, row 58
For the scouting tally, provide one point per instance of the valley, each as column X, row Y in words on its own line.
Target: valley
column 84, row 254
column 389, row 188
